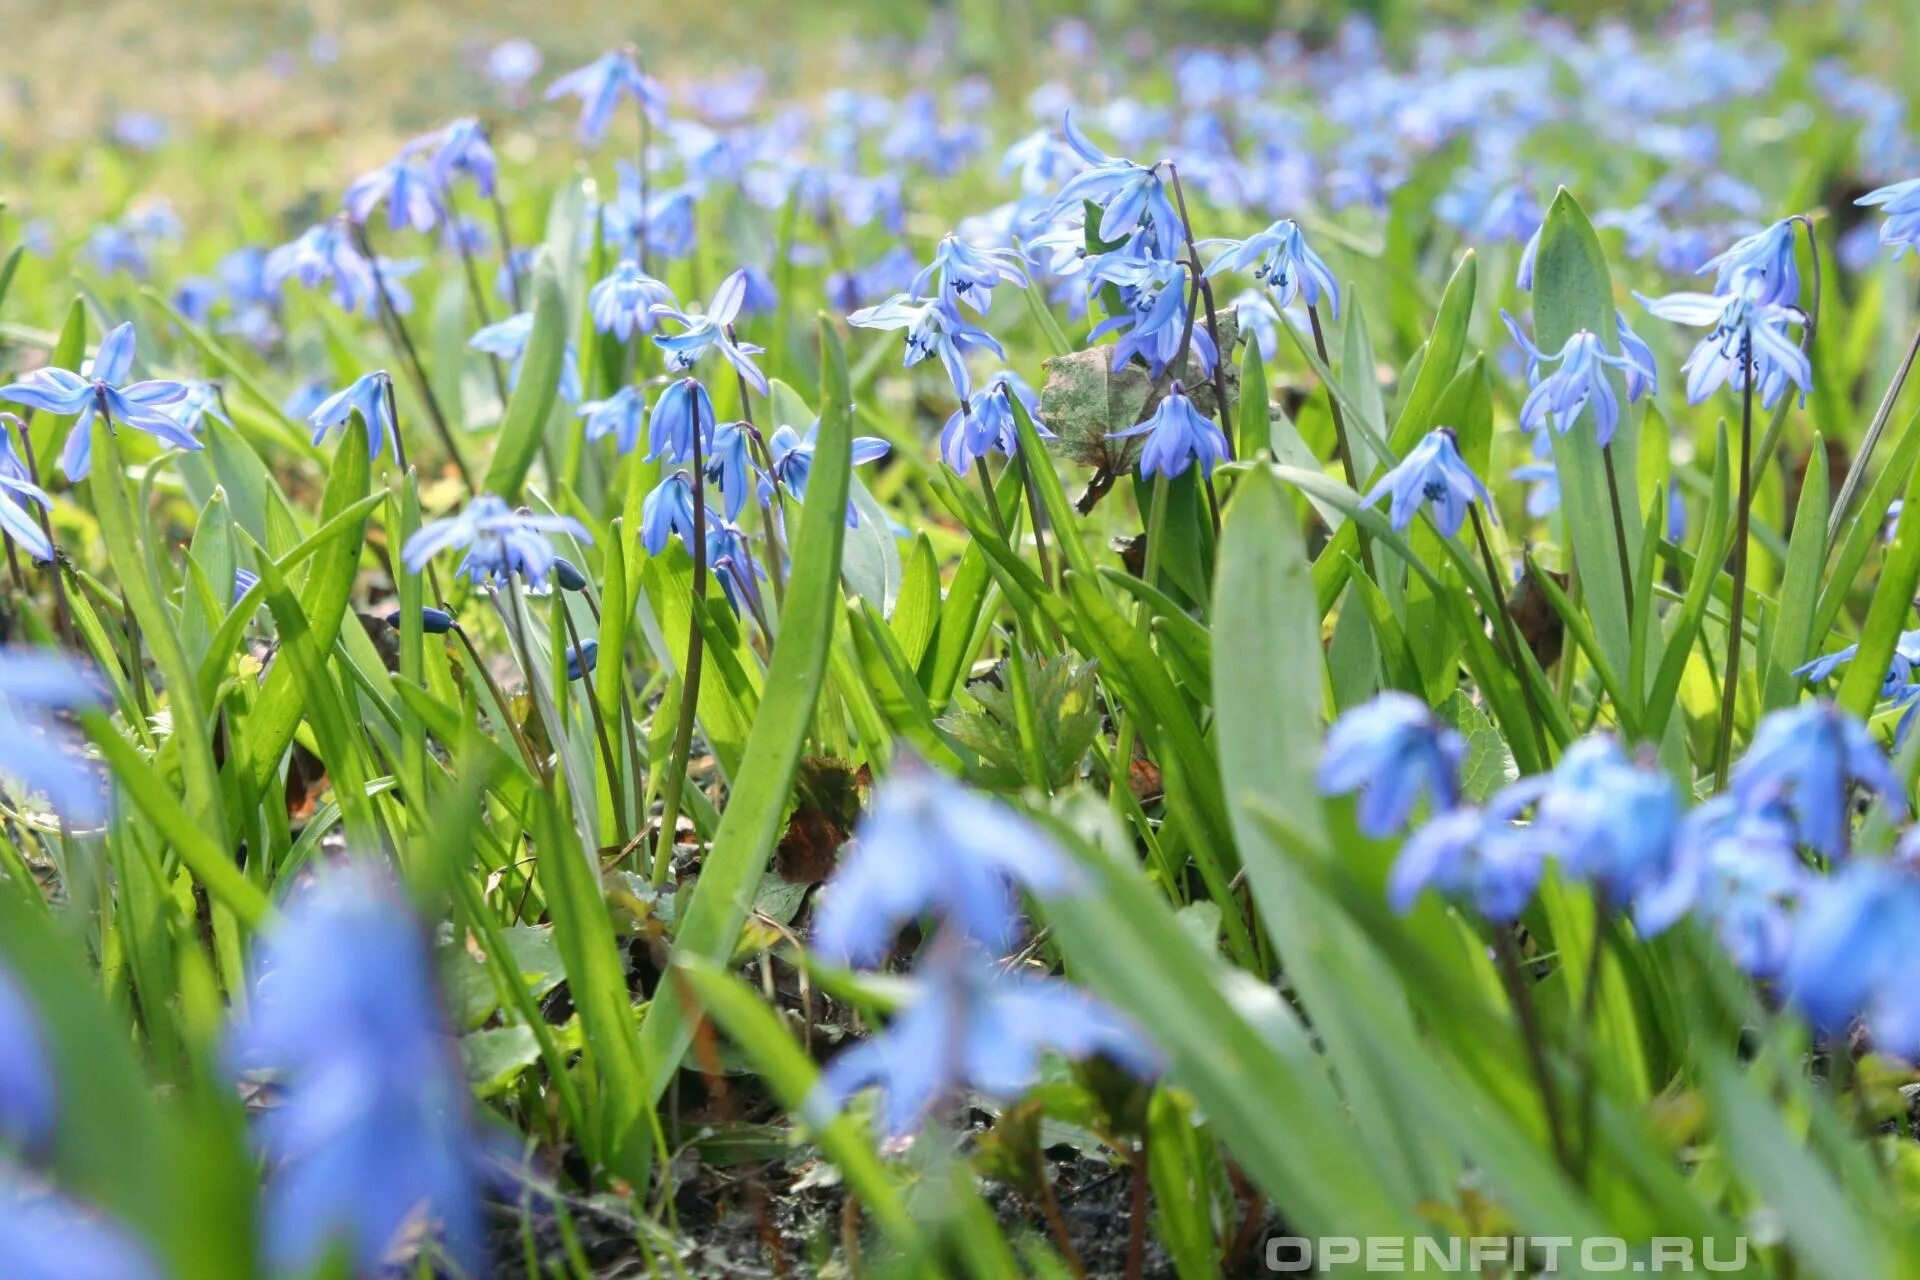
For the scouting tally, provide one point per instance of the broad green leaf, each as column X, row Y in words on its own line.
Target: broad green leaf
column 532, row 401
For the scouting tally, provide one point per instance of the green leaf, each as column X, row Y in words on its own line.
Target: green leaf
column 531, row 404
column 1790, row 637
column 763, row 787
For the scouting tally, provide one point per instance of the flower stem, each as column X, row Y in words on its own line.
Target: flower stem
column 1206, row 293
column 1723, row 761
column 1619, row 526
column 1510, row 635
column 500, row 699
column 1507, row 957
column 690, row 678
column 1589, row 1007
column 506, row 248
column 62, row 615
column 403, row 341
column 480, row 309
column 1342, row 445
column 609, row 761
column 776, row 548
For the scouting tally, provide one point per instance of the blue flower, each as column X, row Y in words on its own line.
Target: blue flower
column 507, row 339
column 967, row 274
column 374, row 1143
column 930, row 846
column 984, row 423
column 1906, row 653
column 460, row 146
column 792, row 457
column 708, row 331
column 682, row 409
column 1155, row 320
column 1760, row 267
column 17, row 489
column 667, row 511
column 1178, row 435
column 405, row 186
column 1255, row 313
column 1802, row 759
column 1643, row 377
column 1739, row 327
column 623, row 303
column 1544, row 498
column 1901, row 203
column 1523, row 275
column 499, row 541
column 1737, row 871
column 1580, row 382
column 601, row 84
column 1432, row 474
column 1131, row 196
column 933, row 328
column 1392, row 749
column 1852, row 953
column 583, row 659
column 730, row 465
column 433, row 622
column 1281, row 259
column 733, row 565
column 46, row 1236
column 969, row 1026
column 618, row 415
column 371, row 396
column 29, row 1093
column 103, row 388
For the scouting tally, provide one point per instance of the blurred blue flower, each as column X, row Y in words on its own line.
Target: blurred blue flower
column 507, row 339
column 1739, row 327
column 933, row 328
column 1611, row 821
column 201, row 401
column 667, row 511
column 601, row 84
column 39, row 748
column 707, row 331
column 930, row 846
column 371, row 396
column 499, row 541
column 682, row 409
column 405, row 186
column 622, row 304
column 1759, row 267
column 969, row 1026
column 46, row 1236
column 1852, row 953
column 103, row 388
column 29, row 1093
column 460, row 146
column 1802, row 759
column 194, row 298
column 1257, row 316
column 1131, row 196
column 512, row 63
column 1737, row 871
column 1392, row 749
column 619, row 415
column 1432, row 474
column 324, row 254
column 581, row 660
column 374, row 1143
column 1281, row 259
column 1469, row 855
column 1178, row 435
column 1901, row 203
